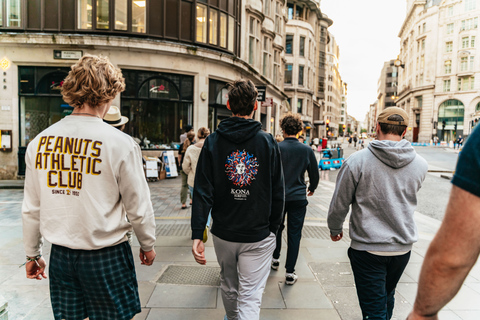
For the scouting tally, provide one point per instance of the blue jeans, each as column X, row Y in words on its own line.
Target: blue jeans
column 376, row 278
column 296, row 211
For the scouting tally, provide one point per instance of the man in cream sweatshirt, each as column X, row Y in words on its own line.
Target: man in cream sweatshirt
column 381, row 184
column 83, row 178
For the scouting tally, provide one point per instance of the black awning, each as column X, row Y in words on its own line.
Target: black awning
column 308, row 125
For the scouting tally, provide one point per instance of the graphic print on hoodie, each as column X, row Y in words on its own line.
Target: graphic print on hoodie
column 241, row 168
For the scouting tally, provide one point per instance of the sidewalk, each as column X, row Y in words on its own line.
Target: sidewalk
column 175, row 287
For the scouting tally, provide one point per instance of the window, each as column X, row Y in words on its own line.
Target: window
column 472, row 42
column 276, row 66
column 278, row 17
column 446, row 85
column 138, row 16
column 231, row 32
column 298, row 12
column 289, row 44
column 213, row 26
column 102, row 14
column 299, row 105
column 300, row 75
column 288, row 73
column 85, row 14
column 423, row 44
column 121, row 8
column 470, row 5
column 449, row 46
column 465, row 42
column 448, row 67
column 424, row 27
column 201, row 23
column 470, row 24
column 223, row 30
column 290, row 10
column 302, row 47
column 267, row 6
column 254, row 42
column 420, row 82
column 267, row 56
column 464, row 64
column 466, row 83
column 450, row 11
column 472, row 62
column 419, row 101
column 450, row 28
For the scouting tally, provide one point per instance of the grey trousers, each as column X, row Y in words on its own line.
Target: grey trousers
column 244, row 272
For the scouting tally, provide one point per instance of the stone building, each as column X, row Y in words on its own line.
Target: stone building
column 438, row 74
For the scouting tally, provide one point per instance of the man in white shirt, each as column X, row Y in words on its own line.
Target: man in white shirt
column 81, row 174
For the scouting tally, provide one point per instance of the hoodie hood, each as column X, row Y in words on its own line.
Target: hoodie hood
column 395, row 154
column 238, row 130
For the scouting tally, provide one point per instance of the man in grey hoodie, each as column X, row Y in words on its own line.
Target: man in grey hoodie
column 381, row 183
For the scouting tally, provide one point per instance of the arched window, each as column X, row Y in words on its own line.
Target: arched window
column 159, row 88
column 477, row 107
column 452, row 112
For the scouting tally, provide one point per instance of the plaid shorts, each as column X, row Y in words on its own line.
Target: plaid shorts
column 99, row 284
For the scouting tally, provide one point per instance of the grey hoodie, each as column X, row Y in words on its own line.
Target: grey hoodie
column 381, row 184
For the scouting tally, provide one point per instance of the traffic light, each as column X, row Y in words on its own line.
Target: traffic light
column 443, row 124
column 343, row 127
column 328, row 125
column 455, row 127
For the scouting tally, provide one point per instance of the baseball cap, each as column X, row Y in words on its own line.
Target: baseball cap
column 388, row 112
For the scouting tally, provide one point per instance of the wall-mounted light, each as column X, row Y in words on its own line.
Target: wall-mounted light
column 5, row 64
column 399, row 63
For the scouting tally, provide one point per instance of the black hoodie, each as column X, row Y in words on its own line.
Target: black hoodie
column 239, row 177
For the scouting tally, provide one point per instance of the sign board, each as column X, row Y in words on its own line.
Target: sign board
column 170, row 165
column 151, row 167
column 268, row 102
column 261, row 93
column 67, row 54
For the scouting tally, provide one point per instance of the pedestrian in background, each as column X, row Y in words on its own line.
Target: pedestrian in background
column 184, row 191
column 77, row 200
column 279, row 138
column 301, row 138
column 456, row 246
column 459, row 142
column 381, row 184
column 189, row 165
column 240, row 179
column 183, row 136
column 297, row 159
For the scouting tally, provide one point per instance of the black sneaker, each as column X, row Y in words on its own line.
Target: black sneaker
column 290, row 278
column 275, row 264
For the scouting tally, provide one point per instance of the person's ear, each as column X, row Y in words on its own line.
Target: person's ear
column 256, row 106
column 228, row 105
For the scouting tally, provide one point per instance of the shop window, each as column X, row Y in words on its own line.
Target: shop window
column 158, row 88
column 213, row 26
column 201, row 23
column 138, row 16
column 102, row 14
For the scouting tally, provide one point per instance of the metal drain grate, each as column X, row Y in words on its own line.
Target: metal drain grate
column 177, row 230
column 316, row 232
column 191, row 275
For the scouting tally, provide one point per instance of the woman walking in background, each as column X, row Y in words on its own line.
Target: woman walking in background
column 181, row 155
column 190, row 163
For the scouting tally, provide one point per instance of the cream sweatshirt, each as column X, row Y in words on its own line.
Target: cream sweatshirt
column 189, row 165
column 81, row 173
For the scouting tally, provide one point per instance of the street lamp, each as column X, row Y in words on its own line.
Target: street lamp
column 399, row 63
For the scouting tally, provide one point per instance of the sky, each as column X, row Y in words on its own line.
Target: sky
column 367, row 33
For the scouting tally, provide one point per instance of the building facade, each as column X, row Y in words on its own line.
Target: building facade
column 176, row 57
column 387, row 86
column 438, row 76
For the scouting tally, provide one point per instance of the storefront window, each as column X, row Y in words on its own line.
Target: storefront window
column 213, row 26
column 13, row 13
column 138, row 16
column 223, row 30
column 41, row 103
column 85, row 14
column 201, row 23
column 121, row 14
column 158, row 105
column 102, row 14
column 452, row 112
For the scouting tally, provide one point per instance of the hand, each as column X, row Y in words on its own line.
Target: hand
column 338, row 237
column 310, row 193
column 415, row 316
column 36, row 269
column 147, row 257
column 198, row 250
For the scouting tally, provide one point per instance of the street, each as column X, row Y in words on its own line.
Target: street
column 175, row 287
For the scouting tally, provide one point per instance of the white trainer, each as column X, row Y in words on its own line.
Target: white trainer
column 290, row 278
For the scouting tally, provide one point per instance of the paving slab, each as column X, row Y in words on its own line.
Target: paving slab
column 184, row 314
column 300, row 314
column 305, row 295
column 272, row 296
column 175, row 296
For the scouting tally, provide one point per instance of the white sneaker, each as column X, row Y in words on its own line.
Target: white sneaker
column 275, row 264
column 290, row 278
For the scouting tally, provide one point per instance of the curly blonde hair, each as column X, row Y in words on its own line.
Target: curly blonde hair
column 93, row 80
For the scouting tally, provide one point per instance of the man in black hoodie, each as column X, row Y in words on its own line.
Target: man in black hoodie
column 240, row 178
